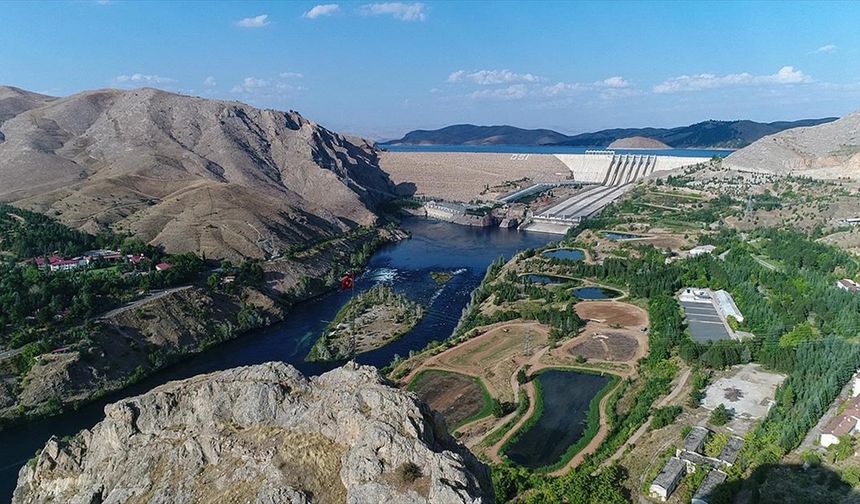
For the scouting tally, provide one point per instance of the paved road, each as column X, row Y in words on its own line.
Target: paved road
column 10, row 353
column 153, row 295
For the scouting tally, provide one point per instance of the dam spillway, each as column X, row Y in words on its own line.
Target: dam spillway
column 612, row 175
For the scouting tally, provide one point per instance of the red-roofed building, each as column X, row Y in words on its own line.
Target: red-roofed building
column 846, row 423
column 162, row 266
column 135, row 258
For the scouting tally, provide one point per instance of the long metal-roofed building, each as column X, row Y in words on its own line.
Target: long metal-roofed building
column 707, row 314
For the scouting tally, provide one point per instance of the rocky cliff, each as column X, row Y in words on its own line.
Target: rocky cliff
column 215, row 177
column 825, row 151
column 261, row 434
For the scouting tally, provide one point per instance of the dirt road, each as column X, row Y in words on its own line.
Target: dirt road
column 151, row 296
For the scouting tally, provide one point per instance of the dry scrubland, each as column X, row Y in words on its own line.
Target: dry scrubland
column 464, row 176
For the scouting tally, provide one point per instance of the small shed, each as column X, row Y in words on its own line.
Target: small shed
column 705, row 491
column 695, row 440
column 667, row 480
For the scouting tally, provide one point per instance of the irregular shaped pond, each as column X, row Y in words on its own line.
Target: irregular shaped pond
column 596, row 293
column 566, row 397
column 546, row 279
column 614, row 235
column 567, row 254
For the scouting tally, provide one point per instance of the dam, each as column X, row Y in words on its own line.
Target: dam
column 609, row 174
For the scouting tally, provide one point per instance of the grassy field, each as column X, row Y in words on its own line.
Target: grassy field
column 460, row 398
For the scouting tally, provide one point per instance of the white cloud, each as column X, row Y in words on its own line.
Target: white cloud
column 398, row 10
column 512, row 92
column 322, row 10
column 250, row 84
column 616, row 82
column 209, row 81
column 278, row 87
column 254, row 22
column 562, row 89
column 699, row 82
column 827, row 48
column 490, row 77
column 139, row 78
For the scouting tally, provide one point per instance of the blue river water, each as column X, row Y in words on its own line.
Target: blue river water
column 553, row 149
column 434, row 246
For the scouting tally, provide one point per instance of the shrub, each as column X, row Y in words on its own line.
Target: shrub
column 720, row 416
column 408, row 472
column 664, row 416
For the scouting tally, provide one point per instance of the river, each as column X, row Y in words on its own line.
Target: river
column 434, row 246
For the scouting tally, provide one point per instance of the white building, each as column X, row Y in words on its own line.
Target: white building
column 849, row 285
column 702, row 249
column 726, row 305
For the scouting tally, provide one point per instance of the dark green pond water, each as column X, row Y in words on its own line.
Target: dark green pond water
column 595, row 293
column 613, row 235
column 568, row 254
column 566, row 398
column 547, row 279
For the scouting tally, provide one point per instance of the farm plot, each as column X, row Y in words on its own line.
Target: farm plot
column 459, row 398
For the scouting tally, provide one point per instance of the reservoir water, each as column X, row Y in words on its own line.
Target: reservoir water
column 566, row 399
column 434, row 246
column 554, row 149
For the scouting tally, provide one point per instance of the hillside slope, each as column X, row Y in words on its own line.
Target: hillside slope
column 826, row 151
column 469, row 134
column 708, row 134
column 262, row 434
column 215, row 177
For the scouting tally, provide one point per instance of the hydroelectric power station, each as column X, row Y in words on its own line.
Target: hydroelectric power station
column 609, row 173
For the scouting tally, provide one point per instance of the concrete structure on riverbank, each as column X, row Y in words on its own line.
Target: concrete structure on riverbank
column 614, row 173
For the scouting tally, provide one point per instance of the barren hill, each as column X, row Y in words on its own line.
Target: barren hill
column 638, row 142
column 262, row 434
column 824, row 151
column 217, row 177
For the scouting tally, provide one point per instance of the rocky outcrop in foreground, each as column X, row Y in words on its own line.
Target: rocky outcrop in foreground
column 261, row 434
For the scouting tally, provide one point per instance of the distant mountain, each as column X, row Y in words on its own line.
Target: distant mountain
column 706, row 135
column 192, row 174
column 469, row 134
column 825, row 151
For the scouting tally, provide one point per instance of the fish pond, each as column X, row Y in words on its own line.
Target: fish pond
column 562, row 427
column 595, row 292
column 567, row 254
column 547, row 279
column 618, row 236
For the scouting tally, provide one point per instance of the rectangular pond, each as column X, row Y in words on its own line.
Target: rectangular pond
column 566, row 397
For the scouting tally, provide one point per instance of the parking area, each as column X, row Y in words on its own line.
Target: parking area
column 747, row 390
column 704, row 322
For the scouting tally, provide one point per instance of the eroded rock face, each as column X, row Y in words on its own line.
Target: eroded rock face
column 261, row 434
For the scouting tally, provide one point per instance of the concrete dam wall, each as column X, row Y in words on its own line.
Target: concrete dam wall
column 606, row 167
column 613, row 174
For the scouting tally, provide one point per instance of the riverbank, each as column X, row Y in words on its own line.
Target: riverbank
column 407, row 265
column 125, row 346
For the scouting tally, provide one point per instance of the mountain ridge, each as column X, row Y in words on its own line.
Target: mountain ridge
column 216, row 177
column 706, row 134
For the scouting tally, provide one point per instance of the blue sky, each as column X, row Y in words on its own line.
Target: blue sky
column 380, row 69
